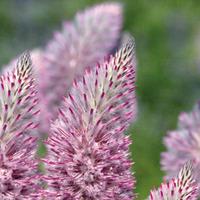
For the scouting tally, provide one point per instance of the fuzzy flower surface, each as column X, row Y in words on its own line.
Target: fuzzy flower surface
column 183, row 187
column 91, row 36
column 18, row 120
column 183, row 144
column 88, row 154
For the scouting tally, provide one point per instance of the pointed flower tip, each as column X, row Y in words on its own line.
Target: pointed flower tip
column 25, row 56
column 129, row 45
column 24, row 61
column 183, row 187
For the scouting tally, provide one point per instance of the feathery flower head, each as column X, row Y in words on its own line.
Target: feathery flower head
column 91, row 36
column 18, row 118
column 183, row 144
column 87, row 150
column 184, row 187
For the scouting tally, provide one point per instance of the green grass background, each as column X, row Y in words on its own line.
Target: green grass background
column 167, row 35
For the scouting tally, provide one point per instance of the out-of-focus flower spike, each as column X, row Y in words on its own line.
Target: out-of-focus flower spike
column 81, row 43
column 87, row 149
column 183, row 144
column 183, row 187
column 18, row 119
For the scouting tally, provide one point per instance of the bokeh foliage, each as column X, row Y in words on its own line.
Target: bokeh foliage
column 168, row 72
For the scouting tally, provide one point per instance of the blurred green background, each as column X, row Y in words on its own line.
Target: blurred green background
column 167, row 35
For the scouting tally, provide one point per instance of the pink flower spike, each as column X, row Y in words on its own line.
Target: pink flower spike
column 87, row 150
column 183, row 144
column 184, row 187
column 17, row 137
column 87, row 39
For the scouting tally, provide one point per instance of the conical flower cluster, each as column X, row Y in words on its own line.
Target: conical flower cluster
column 88, row 100
column 93, row 118
column 18, row 119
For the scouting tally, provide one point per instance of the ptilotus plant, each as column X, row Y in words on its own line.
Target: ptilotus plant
column 183, row 144
column 183, row 187
column 88, row 151
column 88, row 154
column 91, row 36
column 88, row 102
column 18, row 140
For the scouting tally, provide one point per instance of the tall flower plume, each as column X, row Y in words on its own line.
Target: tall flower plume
column 184, row 187
column 87, row 150
column 18, row 119
column 87, row 39
column 183, row 144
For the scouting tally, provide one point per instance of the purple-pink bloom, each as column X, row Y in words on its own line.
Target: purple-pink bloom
column 183, row 144
column 183, row 187
column 18, row 120
column 88, row 155
column 90, row 37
